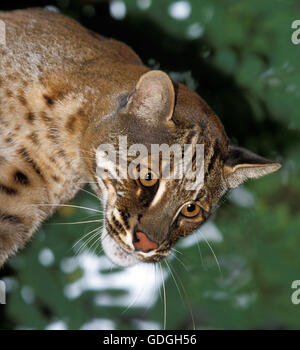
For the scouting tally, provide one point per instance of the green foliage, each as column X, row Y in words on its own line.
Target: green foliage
column 239, row 56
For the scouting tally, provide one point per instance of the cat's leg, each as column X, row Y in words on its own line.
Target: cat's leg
column 21, row 208
column 17, row 226
column 13, row 236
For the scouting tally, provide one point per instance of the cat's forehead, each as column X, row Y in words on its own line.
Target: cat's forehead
column 192, row 111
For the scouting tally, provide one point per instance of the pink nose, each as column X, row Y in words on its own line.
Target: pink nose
column 143, row 243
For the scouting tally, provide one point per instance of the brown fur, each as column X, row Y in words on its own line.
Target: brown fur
column 62, row 93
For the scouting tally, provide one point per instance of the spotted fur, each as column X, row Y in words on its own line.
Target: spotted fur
column 65, row 90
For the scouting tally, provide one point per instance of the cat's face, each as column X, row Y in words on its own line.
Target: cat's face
column 145, row 210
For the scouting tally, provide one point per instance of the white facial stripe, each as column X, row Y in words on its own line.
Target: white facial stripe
column 159, row 194
column 114, row 252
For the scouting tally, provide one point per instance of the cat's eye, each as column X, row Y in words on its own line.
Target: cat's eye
column 190, row 210
column 147, row 178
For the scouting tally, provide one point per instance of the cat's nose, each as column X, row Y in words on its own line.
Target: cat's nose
column 143, row 243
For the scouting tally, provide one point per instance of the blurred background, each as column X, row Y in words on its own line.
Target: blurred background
column 237, row 271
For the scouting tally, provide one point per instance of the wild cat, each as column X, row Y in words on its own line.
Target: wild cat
column 64, row 92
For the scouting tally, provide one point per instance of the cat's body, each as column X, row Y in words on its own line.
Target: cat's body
column 64, row 91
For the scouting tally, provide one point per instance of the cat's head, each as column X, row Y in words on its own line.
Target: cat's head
column 145, row 213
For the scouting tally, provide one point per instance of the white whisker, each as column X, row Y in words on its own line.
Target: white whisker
column 90, row 158
column 165, row 297
column 66, row 205
column 181, row 262
column 86, row 151
column 172, row 275
column 201, row 256
column 184, row 291
column 177, row 251
column 83, row 237
column 85, row 244
column 95, row 243
column 73, row 223
column 90, row 193
column 211, row 249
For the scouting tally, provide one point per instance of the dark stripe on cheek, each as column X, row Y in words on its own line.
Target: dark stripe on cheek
column 8, row 190
column 125, row 218
column 111, row 229
column 118, row 225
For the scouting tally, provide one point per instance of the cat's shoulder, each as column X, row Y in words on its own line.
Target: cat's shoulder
column 48, row 35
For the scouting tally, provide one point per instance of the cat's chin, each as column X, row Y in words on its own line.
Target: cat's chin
column 115, row 253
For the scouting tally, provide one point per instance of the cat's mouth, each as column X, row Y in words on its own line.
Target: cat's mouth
column 122, row 254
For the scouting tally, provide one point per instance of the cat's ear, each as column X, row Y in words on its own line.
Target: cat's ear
column 154, row 97
column 242, row 164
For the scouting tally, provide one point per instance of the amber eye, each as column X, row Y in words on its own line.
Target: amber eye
column 147, row 177
column 190, row 210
